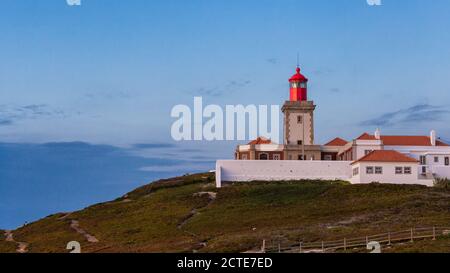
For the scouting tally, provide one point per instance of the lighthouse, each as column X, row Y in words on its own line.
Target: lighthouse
column 299, row 87
column 299, row 121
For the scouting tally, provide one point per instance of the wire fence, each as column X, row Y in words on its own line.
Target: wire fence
column 387, row 238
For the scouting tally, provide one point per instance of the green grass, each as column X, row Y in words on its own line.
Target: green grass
column 312, row 211
column 440, row 245
column 243, row 214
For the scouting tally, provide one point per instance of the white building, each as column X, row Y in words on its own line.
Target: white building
column 433, row 155
column 387, row 166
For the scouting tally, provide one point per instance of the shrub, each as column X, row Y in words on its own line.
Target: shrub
column 442, row 183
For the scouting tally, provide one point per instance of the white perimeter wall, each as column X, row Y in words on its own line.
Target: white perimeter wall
column 280, row 170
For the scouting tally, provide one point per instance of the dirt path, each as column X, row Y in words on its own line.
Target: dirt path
column 211, row 197
column 21, row 246
column 75, row 225
column 186, row 220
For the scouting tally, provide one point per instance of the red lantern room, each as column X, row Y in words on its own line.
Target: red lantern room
column 298, row 85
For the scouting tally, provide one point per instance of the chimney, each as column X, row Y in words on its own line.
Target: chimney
column 433, row 137
column 378, row 134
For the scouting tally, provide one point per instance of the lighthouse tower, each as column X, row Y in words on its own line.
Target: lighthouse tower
column 299, row 121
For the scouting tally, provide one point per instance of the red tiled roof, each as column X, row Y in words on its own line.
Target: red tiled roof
column 337, row 142
column 366, row 136
column 410, row 141
column 260, row 140
column 386, row 156
column 403, row 140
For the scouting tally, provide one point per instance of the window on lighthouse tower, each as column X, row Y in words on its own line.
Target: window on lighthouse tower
column 294, row 85
column 303, row 85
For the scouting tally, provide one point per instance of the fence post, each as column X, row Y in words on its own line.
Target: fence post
column 279, row 248
column 263, row 248
column 367, row 240
column 300, row 247
column 323, row 247
column 412, row 235
column 345, row 244
column 389, row 238
column 434, row 233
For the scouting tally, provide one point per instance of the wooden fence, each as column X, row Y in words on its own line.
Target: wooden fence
column 387, row 238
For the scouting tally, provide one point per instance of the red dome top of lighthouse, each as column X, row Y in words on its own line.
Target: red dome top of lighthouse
column 298, row 77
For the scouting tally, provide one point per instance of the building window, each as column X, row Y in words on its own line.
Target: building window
column 378, row 170
column 423, row 160
column 369, row 170
column 264, row 156
column 276, row 157
column 436, row 159
column 244, row 157
column 447, row 161
column 299, row 119
column 328, row 157
column 408, row 170
column 355, row 171
column 398, row 170
column 300, row 142
column 424, row 170
column 301, row 157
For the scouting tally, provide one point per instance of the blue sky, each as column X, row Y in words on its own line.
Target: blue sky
column 107, row 74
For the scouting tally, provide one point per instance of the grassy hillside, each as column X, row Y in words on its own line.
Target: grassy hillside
column 188, row 214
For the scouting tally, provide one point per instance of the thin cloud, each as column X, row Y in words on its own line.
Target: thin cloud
column 5, row 122
column 416, row 114
column 108, row 95
column 272, row 60
column 10, row 114
column 218, row 91
column 323, row 71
